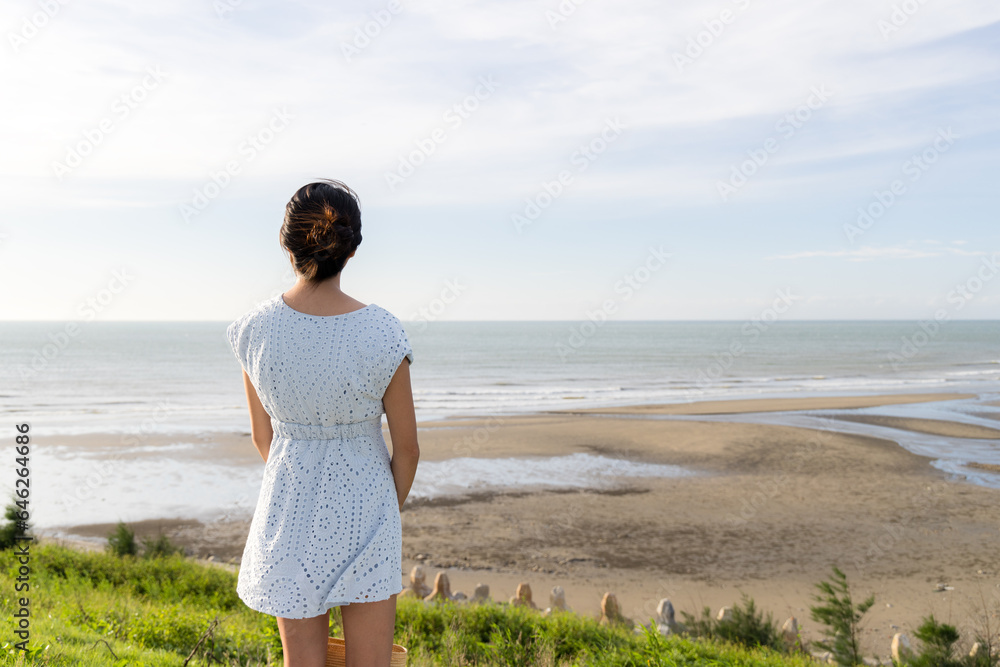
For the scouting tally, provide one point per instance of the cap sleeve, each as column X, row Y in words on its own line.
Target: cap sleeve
column 237, row 341
column 397, row 348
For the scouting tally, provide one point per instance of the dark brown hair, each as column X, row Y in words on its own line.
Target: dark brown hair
column 322, row 227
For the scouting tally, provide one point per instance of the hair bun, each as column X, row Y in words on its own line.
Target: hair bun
column 330, row 234
column 322, row 227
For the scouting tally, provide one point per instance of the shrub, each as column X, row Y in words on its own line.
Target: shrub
column 12, row 529
column 937, row 641
column 841, row 617
column 159, row 547
column 986, row 636
column 167, row 579
column 747, row 627
column 121, row 542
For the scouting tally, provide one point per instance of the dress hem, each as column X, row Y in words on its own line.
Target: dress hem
column 331, row 606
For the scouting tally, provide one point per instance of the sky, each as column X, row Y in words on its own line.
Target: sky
column 553, row 160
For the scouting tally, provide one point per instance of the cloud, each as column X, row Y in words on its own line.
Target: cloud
column 557, row 84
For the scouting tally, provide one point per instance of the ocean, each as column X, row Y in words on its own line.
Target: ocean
column 182, row 379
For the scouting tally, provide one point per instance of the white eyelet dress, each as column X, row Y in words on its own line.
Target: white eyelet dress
column 326, row 530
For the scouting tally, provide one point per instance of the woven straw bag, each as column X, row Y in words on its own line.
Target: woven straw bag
column 335, row 654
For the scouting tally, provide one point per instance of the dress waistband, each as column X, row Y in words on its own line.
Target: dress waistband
column 369, row 427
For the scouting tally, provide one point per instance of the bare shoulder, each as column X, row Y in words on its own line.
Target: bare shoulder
column 354, row 304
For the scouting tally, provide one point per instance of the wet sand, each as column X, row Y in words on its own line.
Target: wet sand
column 771, row 404
column 929, row 426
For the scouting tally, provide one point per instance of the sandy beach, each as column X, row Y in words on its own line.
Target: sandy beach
column 768, row 512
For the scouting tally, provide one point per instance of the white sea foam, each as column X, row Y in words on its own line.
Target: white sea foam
column 72, row 489
column 464, row 475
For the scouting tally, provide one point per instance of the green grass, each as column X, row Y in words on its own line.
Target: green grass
column 92, row 609
column 102, row 609
column 495, row 634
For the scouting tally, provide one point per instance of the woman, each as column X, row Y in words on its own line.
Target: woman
column 320, row 368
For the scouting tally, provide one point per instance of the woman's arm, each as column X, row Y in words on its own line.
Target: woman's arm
column 260, row 422
column 398, row 404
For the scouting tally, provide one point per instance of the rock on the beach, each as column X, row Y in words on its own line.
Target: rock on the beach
column 725, row 614
column 557, row 601
column 418, row 586
column 459, row 595
column 901, row 649
column 481, row 594
column 442, row 588
column 611, row 612
column 665, row 612
column 418, row 579
column 790, row 634
column 823, row 656
column 522, row 597
column 665, row 621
